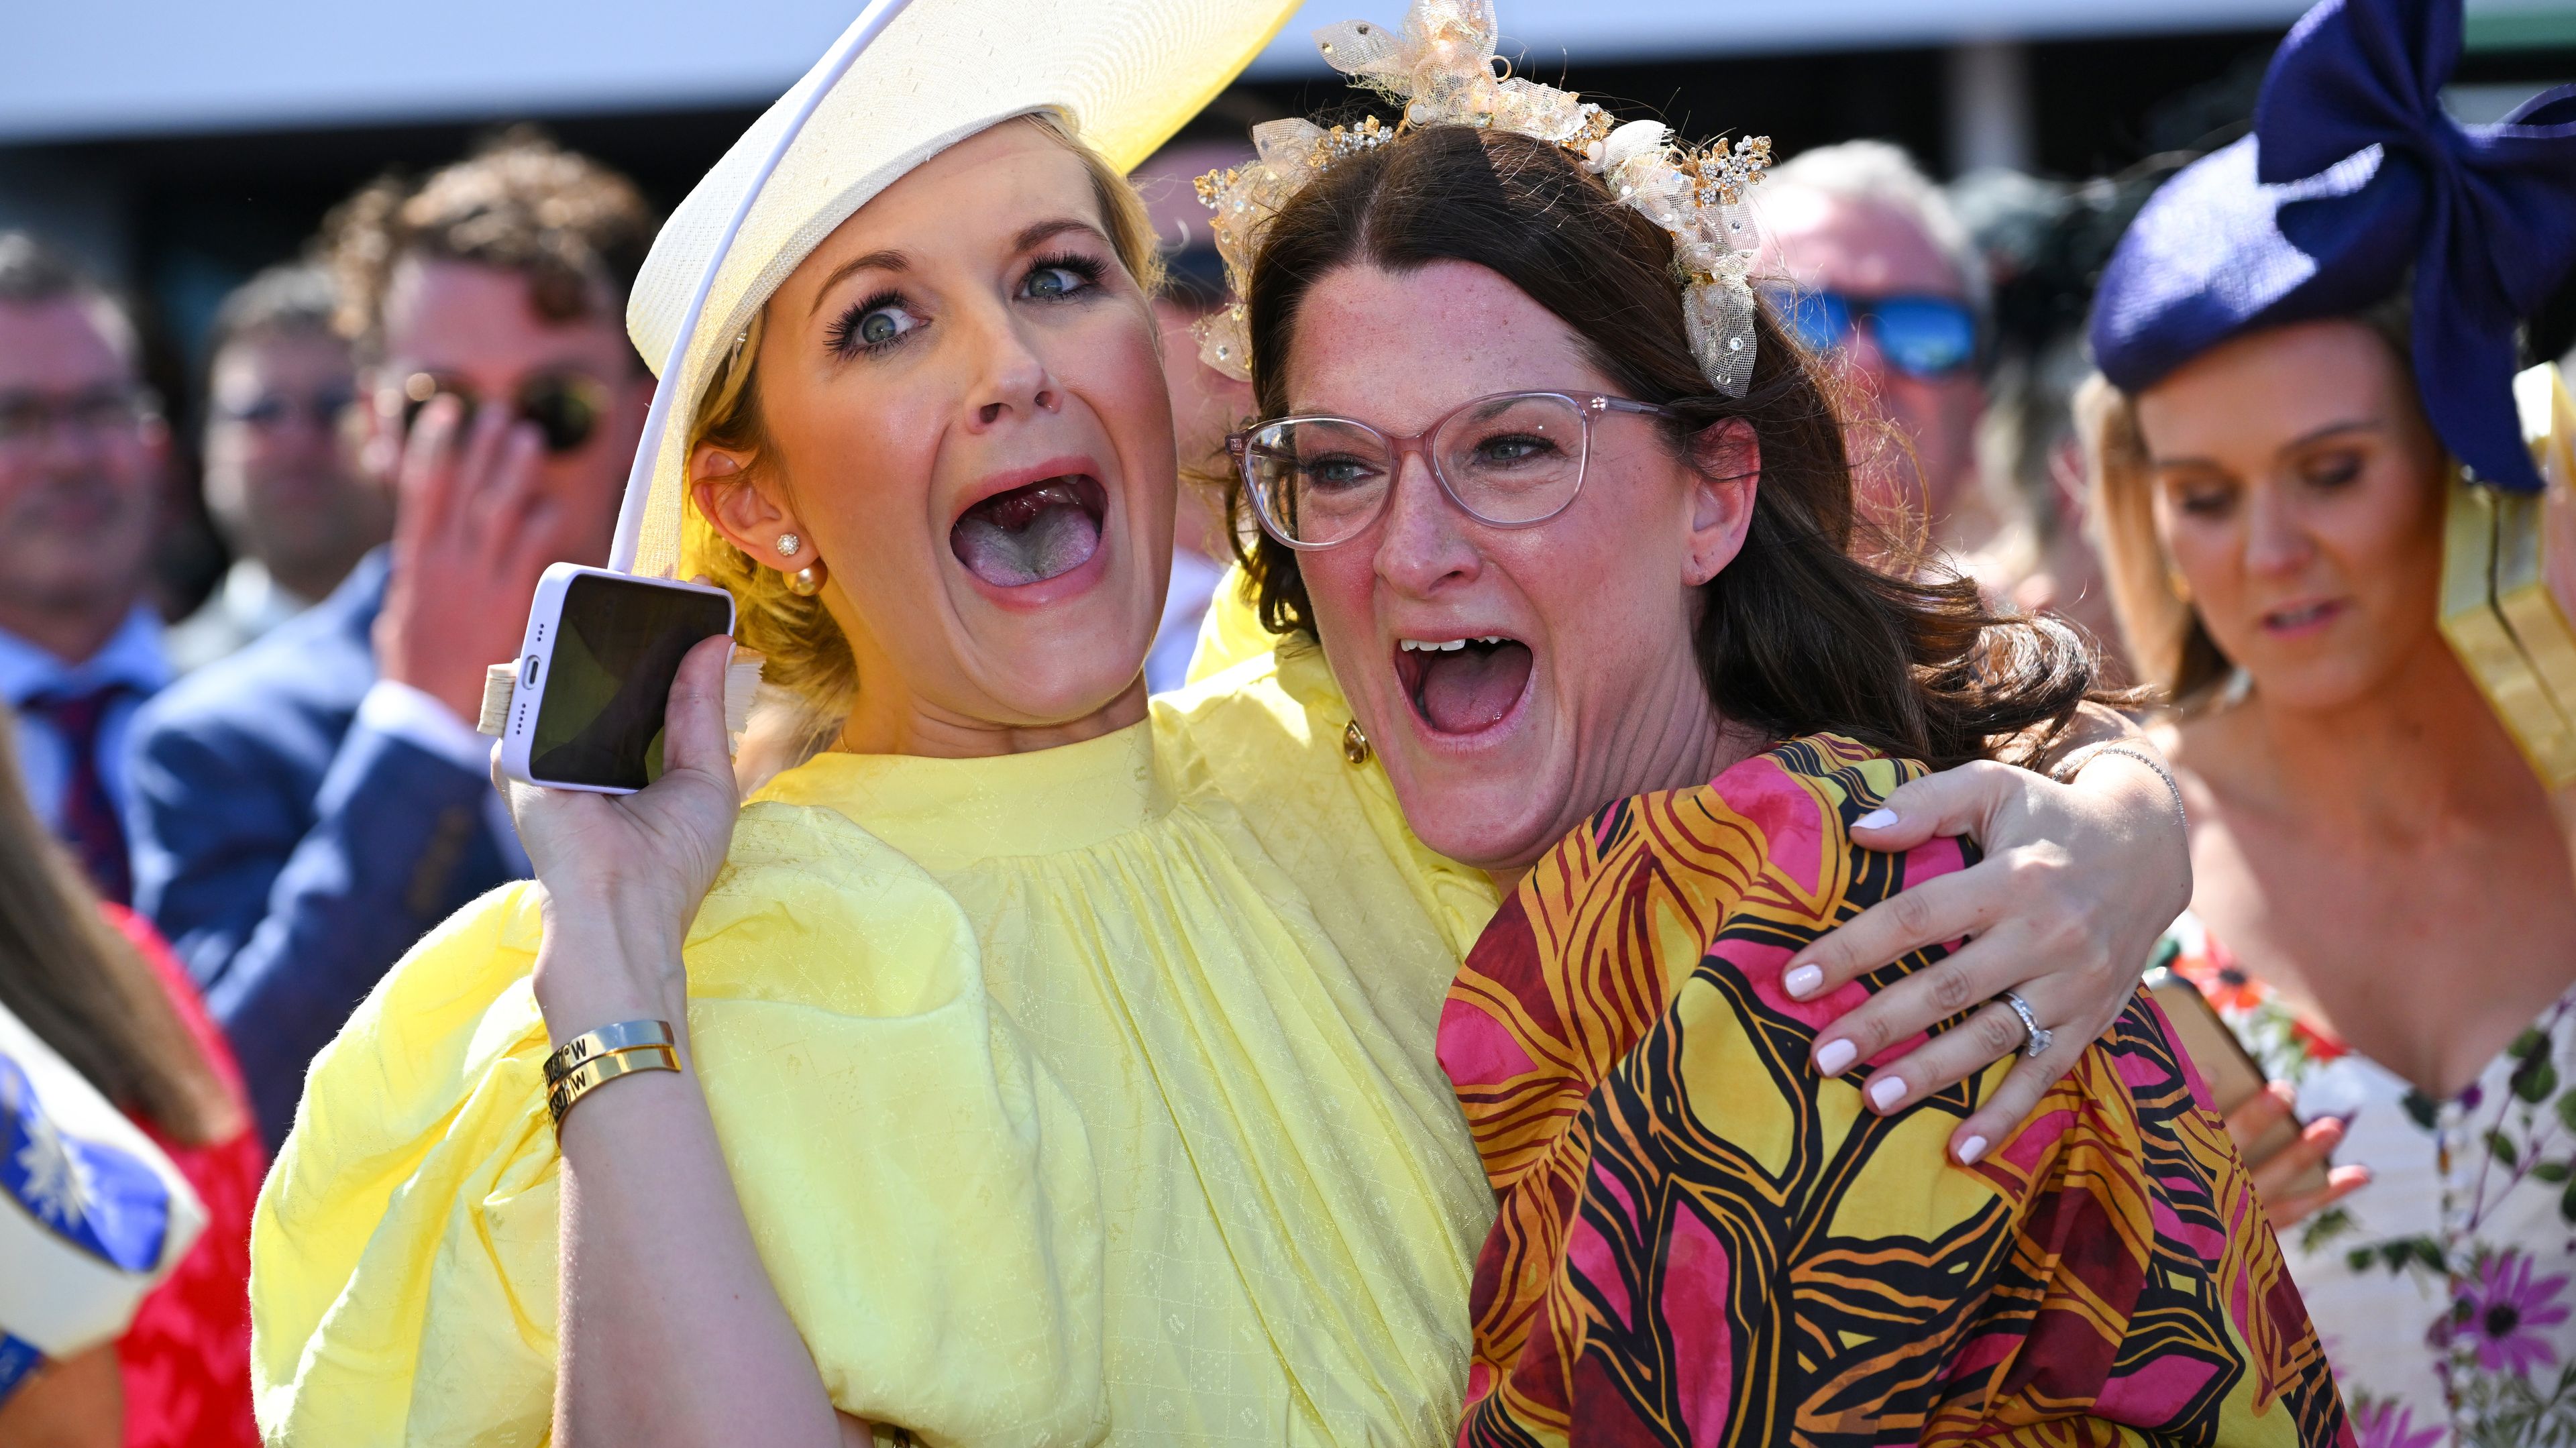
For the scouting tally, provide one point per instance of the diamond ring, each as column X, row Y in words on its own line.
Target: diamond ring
column 2040, row 1035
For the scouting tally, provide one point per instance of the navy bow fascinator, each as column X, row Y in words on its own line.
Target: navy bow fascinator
column 2353, row 174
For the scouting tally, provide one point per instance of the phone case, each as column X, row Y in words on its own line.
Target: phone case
column 536, row 651
column 2233, row 1075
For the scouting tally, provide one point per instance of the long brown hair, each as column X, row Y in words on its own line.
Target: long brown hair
column 1797, row 635
column 82, row 988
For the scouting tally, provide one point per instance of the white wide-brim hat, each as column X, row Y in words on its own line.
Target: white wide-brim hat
column 908, row 79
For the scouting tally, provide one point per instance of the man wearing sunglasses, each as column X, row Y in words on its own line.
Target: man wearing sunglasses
column 308, row 807
column 281, row 476
column 1871, row 266
column 83, row 462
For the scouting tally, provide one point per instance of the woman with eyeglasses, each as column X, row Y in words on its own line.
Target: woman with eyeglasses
column 2310, row 345
column 1592, row 594
column 1031, row 1064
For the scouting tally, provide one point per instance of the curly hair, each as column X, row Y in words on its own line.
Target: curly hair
column 808, row 657
column 575, row 229
column 1798, row 635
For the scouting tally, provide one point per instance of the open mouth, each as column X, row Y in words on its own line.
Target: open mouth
column 1030, row 534
column 1463, row 686
column 2303, row 616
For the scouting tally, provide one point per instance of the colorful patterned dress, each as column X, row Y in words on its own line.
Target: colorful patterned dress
column 1702, row 1241
column 2442, row 1289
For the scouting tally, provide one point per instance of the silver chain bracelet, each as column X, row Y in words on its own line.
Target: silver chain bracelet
column 2073, row 765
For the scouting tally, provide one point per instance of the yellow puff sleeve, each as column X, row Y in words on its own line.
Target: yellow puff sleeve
column 1230, row 632
column 920, row 1189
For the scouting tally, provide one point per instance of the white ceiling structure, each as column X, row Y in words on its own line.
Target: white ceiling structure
column 107, row 68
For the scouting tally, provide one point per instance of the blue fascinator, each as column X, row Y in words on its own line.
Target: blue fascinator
column 2355, row 173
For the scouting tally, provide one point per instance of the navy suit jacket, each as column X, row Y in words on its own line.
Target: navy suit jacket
column 290, row 855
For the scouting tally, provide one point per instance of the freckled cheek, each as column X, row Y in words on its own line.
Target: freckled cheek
column 1337, row 585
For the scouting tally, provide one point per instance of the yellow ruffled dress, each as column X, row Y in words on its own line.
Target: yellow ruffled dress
column 1074, row 1096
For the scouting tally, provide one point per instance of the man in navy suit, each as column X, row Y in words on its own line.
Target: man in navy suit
column 304, row 810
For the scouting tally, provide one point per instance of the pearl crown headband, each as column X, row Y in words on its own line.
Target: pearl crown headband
column 1443, row 70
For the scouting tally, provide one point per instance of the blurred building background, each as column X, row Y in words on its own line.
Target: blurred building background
column 185, row 145
column 180, row 147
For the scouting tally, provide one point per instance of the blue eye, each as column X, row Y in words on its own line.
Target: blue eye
column 1055, row 278
column 879, row 322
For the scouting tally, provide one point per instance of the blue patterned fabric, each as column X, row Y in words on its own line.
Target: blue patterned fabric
column 17, row 1361
column 2353, row 175
column 101, row 1199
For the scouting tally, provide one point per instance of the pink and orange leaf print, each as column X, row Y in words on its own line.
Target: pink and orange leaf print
column 1702, row 1242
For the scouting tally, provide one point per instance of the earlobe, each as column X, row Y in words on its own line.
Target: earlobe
column 1727, row 458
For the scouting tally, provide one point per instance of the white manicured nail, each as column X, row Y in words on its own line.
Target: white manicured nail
column 1877, row 819
column 1832, row 1056
column 1971, row 1149
column 1885, row 1092
column 1803, row 981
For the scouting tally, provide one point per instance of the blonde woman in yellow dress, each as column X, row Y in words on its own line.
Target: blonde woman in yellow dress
column 1057, row 1068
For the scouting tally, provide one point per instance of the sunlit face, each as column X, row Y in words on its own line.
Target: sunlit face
column 2298, row 491
column 81, row 464
column 1869, row 250
column 1577, row 684
column 278, row 476
column 476, row 328
column 968, row 427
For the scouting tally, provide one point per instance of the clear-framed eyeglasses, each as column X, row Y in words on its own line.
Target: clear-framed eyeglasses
column 1509, row 460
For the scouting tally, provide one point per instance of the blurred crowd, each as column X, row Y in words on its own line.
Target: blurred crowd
column 274, row 793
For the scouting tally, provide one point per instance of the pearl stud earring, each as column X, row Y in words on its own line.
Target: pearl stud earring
column 789, row 545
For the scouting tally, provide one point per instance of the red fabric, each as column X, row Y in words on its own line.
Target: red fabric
column 186, row 1359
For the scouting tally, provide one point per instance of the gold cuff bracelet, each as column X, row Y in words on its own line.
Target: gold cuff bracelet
column 598, row 1071
column 606, row 1041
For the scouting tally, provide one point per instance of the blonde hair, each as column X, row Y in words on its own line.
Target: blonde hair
column 2174, row 654
column 809, row 659
column 2176, row 657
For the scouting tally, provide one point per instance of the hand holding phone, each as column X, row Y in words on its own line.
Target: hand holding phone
column 2292, row 1173
column 595, row 669
column 624, row 872
column 2289, row 1161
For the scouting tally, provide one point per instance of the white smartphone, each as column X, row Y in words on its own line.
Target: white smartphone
column 595, row 672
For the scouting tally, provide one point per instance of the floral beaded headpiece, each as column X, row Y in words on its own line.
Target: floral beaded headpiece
column 1443, row 70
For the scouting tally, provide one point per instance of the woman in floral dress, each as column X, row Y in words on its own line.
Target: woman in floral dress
column 2302, row 337
column 2443, row 1292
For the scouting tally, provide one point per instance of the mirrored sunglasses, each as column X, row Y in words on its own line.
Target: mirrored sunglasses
column 1921, row 336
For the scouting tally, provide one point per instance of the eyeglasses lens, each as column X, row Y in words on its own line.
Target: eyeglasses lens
column 565, row 406
column 1925, row 336
column 1317, row 480
column 102, row 413
column 420, row 388
column 1513, row 459
column 277, row 409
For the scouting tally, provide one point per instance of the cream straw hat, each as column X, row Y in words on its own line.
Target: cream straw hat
column 908, row 79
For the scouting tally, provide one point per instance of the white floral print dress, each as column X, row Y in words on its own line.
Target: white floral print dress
column 2445, row 1290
